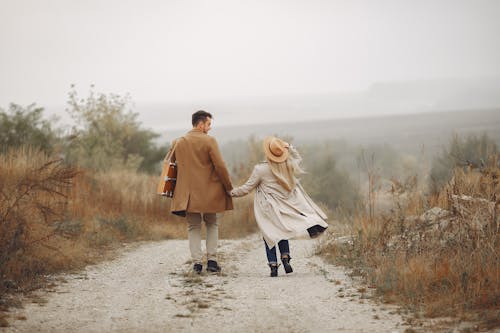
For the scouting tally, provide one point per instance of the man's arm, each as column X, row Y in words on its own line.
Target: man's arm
column 219, row 165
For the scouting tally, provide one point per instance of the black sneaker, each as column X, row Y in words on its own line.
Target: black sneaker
column 286, row 264
column 274, row 270
column 213, row 267
column 197, row 268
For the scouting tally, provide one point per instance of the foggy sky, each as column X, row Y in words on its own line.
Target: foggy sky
column 183, row 51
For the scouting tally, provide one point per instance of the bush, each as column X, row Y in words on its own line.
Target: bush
column 33, row 190
column 24, row 126
column 326, row 183
column 471, row 152
column 54, row 218
column 109, row 136
column 440, row 261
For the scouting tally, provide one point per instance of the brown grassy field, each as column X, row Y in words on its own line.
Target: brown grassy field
column 54, row 217
column 436, row 254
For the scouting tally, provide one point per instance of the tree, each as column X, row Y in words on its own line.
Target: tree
column 108, row 135
column 24, row 126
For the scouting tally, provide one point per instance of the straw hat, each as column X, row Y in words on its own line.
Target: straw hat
column 276, row 150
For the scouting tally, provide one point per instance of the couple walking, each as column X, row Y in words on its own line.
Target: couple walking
column 282, row 208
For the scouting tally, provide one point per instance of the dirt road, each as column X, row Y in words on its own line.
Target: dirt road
column 151, row 289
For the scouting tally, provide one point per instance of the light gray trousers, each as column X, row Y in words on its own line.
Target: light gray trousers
column 194, row 235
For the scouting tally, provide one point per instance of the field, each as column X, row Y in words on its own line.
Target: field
column 433, row 252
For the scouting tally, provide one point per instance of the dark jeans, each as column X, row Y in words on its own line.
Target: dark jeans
column 271, row 253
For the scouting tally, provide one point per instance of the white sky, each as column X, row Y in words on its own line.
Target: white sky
column 186, row 50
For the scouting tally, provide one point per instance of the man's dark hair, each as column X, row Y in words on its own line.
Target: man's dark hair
column 200, row 116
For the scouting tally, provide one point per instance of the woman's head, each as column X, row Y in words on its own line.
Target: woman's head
column 276, row 151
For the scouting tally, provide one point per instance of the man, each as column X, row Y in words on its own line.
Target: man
column 202, row 188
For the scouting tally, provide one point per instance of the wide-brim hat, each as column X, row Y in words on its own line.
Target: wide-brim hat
column 275, row 149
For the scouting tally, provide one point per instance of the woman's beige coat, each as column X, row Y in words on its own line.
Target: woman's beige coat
column 280, row 214
column 202, row 177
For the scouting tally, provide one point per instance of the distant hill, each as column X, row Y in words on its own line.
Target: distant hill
column 382, row 98
column 409, row 114
column 405, row 133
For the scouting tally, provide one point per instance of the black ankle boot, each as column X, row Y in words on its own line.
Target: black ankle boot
column 197, row 268
column 286, row 264
column 213, row 267
column 274, row 269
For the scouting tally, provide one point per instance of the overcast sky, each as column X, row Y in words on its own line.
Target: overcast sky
column 181, row 51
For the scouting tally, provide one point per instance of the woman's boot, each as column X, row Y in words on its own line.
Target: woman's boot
column 274, row 269
column 286, row 263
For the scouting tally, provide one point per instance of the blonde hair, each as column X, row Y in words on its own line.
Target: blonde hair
column 284, row 173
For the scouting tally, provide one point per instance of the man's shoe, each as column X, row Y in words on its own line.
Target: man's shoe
column 286, row 264
column 274, row 270
column 213, row 267
column 197, row 268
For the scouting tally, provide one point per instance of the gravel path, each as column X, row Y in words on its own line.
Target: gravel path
column 151, row 289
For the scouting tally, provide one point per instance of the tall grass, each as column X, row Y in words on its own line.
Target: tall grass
column 240, row 221
column 55, row 217
column 34, row 191
column 439, row 262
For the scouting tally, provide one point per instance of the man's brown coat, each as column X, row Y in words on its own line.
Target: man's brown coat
column 202, row 177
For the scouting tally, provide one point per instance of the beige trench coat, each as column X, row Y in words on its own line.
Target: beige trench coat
column 202, row 177
column 280, row 214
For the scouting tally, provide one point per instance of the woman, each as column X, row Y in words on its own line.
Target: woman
column 282, row 208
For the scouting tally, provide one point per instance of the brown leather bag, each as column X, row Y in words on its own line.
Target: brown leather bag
column 168, row 178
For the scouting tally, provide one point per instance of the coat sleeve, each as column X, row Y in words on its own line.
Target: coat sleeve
column 250, row 184
column 220, row 166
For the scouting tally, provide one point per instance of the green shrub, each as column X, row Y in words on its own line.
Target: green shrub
column 24, row 126
column 109, row 136
column 472, row 151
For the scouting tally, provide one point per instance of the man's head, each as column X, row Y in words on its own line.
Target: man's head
column 202, row 120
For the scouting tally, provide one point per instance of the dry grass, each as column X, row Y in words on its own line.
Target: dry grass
column 239, row 222
column 441, row 266
column 54, row 217
column 34, row 191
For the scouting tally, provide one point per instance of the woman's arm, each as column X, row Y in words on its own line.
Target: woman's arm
column 250, row 184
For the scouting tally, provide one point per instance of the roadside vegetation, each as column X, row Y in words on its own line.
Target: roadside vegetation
column 434, row 250
column 423, row 233
column 69, row 198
